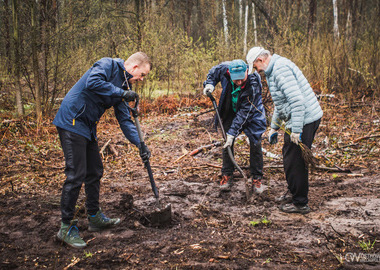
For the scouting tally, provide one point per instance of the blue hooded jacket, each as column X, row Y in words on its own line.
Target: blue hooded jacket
column 98, row 90
column 250, row 113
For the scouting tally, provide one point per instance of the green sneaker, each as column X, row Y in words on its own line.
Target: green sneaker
column 69, row 234
column 100, row 222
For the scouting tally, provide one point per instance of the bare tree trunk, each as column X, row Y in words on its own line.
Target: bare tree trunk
column 55, row 26
column 44, row 51
column 246, row 28
column 349, row 19
column 36, row 68
column 336, row 27
column 8, row 53
column 254, row 22
column 312, row 19
column 138, row 24
column 260, row 4
column 225, row 23
column 17, row 62
column 240, row 13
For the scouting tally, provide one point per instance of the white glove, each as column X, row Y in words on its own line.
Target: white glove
column 208, row 88
column 272, row 136
column 295, row 137
column 229, row 141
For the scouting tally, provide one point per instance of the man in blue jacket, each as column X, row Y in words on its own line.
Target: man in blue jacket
column 297, row 107
column 241, row 109
column 106, row 84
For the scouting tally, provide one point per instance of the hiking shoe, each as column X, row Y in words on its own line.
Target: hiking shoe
column 69, row 234
column 285, row 198
column 100, row 222
column 226, row 182
column 292, row 208
column 257, row 186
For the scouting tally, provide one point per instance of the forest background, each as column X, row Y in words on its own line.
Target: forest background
column 47, row 45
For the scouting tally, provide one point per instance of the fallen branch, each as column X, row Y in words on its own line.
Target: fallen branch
column 366, row 138
column 201, row 113
column 322, row 168
column 198, row 150
column 74, row 262
column 113, row 150
column 214, row 166
column 205, row 147
column 104, row 147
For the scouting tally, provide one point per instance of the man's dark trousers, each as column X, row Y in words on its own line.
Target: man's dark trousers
column 83, row 164
column 256, row 162
column 296, row 172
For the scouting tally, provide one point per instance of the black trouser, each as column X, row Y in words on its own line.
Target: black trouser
column 256, row 162
column 296, row 172
column 83, row 164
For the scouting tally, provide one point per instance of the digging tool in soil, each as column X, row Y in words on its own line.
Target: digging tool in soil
column 161, row 215
column 248, row 189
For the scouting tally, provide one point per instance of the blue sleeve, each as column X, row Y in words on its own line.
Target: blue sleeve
column 250, row 108
column 215, row 74
column 100, row 76
column 126, row 124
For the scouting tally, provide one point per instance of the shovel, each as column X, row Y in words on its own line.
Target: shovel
column 162, row 215
column 248, row 190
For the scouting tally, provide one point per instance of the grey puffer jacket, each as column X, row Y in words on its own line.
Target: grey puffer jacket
column 294, row 99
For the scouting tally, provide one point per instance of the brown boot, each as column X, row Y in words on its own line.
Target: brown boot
column 226, row 182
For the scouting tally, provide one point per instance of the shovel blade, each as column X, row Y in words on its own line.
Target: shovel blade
column 161, row 216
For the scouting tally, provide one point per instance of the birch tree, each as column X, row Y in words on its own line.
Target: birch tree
column 225, row 22
column 240, row 13
column 336, row 27
column 254, row 22
column 246, row 28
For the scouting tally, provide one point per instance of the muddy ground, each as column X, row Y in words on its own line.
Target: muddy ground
column 208, row 229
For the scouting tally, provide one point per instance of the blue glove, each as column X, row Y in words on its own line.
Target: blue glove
column 272, row 136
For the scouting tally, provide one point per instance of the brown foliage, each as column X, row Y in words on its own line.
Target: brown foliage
column 170, row 104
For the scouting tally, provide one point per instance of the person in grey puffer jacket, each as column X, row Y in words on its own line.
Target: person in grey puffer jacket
column 297, row 107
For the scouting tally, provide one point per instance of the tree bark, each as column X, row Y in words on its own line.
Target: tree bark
column 254, row 22
column 17, row 62
column 336, row 27
column 7, row 35
column 260, row 4
column 225, row 23
column 246, row 28
column 312, row 19
column 44, row 51
column 36, row 68
column 240, row 13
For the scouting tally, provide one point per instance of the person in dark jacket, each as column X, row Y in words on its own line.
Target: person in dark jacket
column 241, row 109
column 106, row 84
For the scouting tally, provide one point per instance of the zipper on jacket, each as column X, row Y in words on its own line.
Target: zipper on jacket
column 79, row 114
